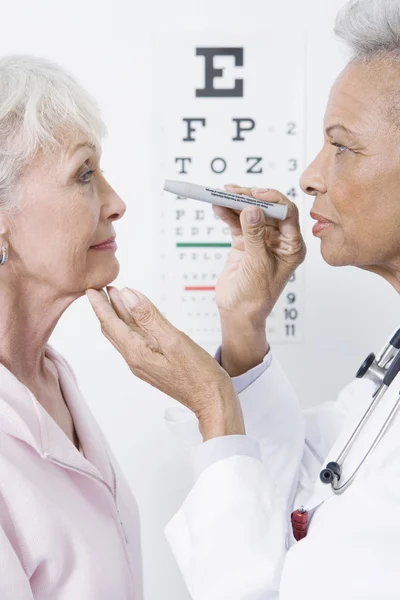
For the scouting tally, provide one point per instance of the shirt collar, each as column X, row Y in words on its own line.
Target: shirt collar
column 23, row 417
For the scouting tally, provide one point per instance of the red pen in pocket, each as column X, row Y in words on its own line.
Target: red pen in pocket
column 299, row 523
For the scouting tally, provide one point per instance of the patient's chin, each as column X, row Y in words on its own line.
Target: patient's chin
column 104, row 276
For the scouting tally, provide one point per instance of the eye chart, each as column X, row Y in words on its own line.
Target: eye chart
column 227, row 109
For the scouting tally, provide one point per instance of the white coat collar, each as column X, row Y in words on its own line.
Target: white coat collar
column 23, row 417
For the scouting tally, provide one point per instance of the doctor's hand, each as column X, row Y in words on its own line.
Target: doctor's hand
column 169, row 360
column 264, row 255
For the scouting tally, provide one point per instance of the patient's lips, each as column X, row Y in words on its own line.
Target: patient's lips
column 109, row 244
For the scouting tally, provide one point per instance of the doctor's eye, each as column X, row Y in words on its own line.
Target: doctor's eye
column 340, row 147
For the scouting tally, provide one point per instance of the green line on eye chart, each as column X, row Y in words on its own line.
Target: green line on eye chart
column 208, row 245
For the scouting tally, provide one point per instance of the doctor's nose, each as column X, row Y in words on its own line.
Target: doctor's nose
column 312, row 181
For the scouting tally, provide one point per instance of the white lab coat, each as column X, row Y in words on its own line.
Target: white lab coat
column 232, row 537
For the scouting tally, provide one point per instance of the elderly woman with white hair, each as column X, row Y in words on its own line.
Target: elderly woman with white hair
column 69, row 527
column 260, row 523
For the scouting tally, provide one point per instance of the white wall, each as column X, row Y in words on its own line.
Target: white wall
column 107, row 45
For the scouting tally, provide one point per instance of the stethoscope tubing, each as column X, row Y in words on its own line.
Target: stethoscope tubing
column 378, row 373
column 340, row 489
column 346, row 450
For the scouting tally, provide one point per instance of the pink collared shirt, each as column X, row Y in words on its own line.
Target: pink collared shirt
column 69, row 524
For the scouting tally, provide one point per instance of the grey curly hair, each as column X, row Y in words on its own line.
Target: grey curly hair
column 370, row 27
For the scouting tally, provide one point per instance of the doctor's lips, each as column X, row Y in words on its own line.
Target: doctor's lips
column 321, row 225
column 109, row 244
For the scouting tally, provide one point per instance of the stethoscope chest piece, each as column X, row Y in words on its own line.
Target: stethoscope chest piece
column 331, row 471
column 366, row 366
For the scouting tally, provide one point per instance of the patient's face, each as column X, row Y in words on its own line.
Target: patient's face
column 355, row 177
column 67, row 207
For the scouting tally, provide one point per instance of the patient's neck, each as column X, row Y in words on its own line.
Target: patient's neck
column 29, row 314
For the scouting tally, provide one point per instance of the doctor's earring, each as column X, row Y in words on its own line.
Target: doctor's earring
column 3, row 255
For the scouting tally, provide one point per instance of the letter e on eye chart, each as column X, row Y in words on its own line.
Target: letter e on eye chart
column 227, row 108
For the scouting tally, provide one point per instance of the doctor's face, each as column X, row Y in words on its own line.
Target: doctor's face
column 355, row 179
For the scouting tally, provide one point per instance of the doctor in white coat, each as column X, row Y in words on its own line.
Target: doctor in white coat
column 258, row 456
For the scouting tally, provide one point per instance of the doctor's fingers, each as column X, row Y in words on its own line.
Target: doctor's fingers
column 147, row 316
column 121, row 335
column 289, row 227
column 112, row 327
column 120, row 308
column 269, row 195
column 232, row 219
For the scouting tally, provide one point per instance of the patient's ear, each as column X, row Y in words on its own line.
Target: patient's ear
column 5, row 226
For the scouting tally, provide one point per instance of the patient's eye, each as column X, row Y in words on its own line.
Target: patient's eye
column 86, row 177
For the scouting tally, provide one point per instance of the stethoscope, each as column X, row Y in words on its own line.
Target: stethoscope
column 382, row 372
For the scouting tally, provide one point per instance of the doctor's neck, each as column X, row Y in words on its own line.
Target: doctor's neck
column 391, row 273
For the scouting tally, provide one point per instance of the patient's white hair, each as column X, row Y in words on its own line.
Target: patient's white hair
column 41, row 106
column 370, row 27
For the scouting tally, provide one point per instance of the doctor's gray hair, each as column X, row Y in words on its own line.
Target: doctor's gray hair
column 370, row 27
column 41, row 106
